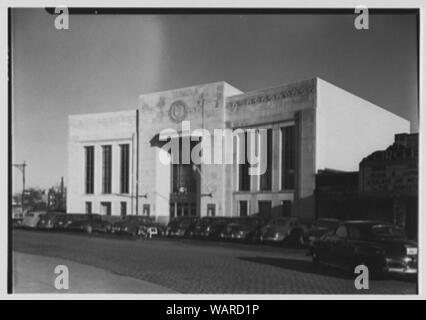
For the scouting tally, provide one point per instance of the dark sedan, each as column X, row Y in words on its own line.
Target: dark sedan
column 180, row 226
column 62, row 222
column 381, row 246
column 92, row 223
column 131, row 224
column 214, row 227
column 49, row 220
column 248, row 228
column 200, row 226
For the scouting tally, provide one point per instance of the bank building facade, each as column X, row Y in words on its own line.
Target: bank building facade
column 114, row 165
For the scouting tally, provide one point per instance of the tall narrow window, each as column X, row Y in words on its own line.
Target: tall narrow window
column 266, row 158
column 286, row 208
column 90, row 163
column 88, row 207
column 106, row 169
column 211, row 209
column 146, row 209
column 243, row 208
column 124, row 168
column 288, row 157
column 243, row 168
column 123, row 208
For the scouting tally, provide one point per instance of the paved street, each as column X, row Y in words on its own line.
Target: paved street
column 198, row 267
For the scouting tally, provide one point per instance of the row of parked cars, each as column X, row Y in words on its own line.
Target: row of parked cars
column 250, row 229
column 89, row 223
column 381, row 246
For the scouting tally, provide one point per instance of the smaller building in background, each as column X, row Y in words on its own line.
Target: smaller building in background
column 394, row 170
column 391, row 176
column 385, row 188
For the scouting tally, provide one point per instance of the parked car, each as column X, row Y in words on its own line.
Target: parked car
column 320, row 227
column 91, row 223
column 179, row 227
column 31, row 219
column 213, row 227
column 381, row 246
column 48, row 220
column 151, row 229
column 228, row 229
column 16, row 223
column 130, row 224
column 196, row 229
column 63, row 222
column 288, row 229
column 245, row 228
column 17, row 216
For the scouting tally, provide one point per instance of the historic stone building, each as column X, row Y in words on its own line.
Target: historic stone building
column 114, row 158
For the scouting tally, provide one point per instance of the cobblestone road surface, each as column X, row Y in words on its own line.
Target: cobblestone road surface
column 202, row 267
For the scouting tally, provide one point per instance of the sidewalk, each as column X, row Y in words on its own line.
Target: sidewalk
column 35, row 274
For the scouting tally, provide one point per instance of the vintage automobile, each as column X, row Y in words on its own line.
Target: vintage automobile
column 151, row 229
column 227, row 232
column 320, row 227
column 31, row 219
column 247, row 228
column 289, row 229
column 130, row 224
column 179, row 227
column 196, row 229
column 17, row 215
column 47, row 221
column 62, row 222
column 92, row 223
column 213, row 227
column 380, row 246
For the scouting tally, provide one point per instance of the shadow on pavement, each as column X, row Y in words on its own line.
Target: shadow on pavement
column 307, row 267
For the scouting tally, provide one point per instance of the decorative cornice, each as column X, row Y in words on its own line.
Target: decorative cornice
column 264, row 97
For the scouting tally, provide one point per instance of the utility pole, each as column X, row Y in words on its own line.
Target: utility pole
column 137, row 161
column 61, row 201
column 21, row 167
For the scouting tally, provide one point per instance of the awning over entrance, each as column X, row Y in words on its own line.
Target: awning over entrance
column 161, row 138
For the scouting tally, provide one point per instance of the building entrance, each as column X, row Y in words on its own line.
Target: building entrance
column 185, row 188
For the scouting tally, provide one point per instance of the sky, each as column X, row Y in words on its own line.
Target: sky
column 104, row 62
